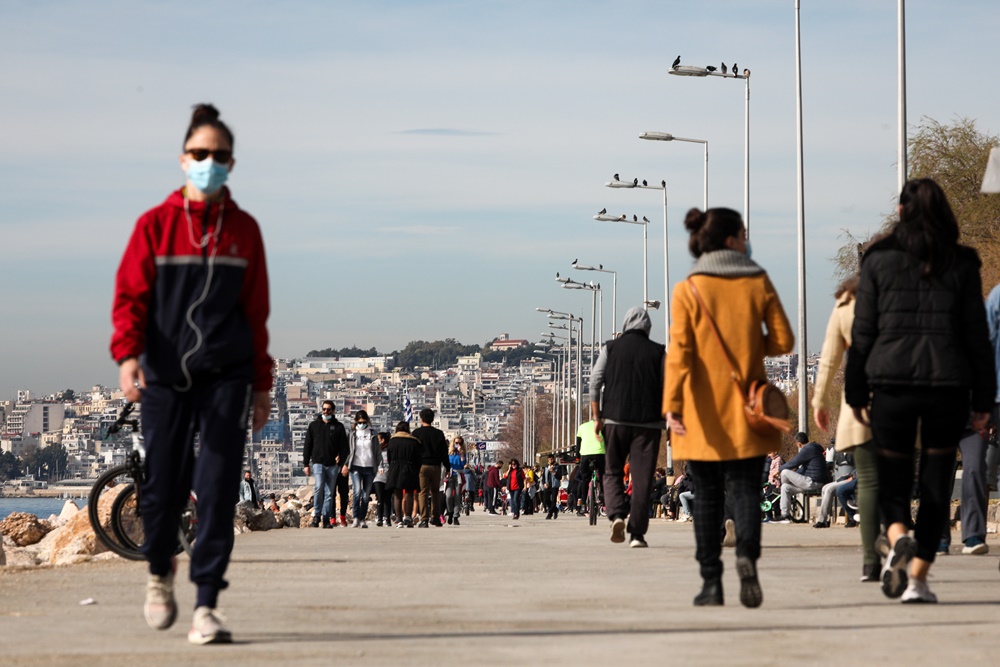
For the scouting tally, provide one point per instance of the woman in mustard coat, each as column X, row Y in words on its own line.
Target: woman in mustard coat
column 700, row 401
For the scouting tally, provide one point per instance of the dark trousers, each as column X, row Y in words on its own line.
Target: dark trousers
column 552, row 502
column 383, row 502
column 430, row 498
column 217, row 408
column 640, row 446
column 490, row 499
column 942, row 414
column 722, row 485
column 343, row 487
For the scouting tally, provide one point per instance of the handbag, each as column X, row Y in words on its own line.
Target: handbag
column 764, row 405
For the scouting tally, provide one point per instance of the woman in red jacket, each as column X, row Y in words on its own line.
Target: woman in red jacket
column 190, row 338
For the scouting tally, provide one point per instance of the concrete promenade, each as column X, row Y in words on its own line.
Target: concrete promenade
column 496, row 592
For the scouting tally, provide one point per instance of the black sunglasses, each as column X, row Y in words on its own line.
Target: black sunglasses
column 220, row 155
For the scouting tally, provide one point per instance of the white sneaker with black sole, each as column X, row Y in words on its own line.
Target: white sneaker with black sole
column 894, row 572
column 207, row 627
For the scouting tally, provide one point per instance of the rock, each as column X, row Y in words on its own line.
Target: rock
column 3, row 556
column 247, row 518
column 21, row 557
column 24, row 529
column 305, row 520
column 290, row 518
column 73, row 543
column 69, row 509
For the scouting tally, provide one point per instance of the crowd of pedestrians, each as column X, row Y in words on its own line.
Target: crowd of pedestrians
column 190, row 338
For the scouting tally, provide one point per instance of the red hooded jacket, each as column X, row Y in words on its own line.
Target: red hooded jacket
column 191, row 293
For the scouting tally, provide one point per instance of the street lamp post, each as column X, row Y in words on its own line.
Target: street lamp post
column 614, row 294
column 604, row 217
column 666, row 136
column 687, row 70
column 800, row 188
column 569, row 283
column 634, row 184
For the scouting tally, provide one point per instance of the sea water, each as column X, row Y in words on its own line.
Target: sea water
column 40, row 507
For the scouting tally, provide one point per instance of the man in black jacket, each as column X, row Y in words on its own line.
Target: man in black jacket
column 325, row 447
column 806, row 472
column 435, row 455
column 629, row 374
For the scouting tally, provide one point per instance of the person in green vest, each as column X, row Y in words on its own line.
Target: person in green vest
column 590, row 445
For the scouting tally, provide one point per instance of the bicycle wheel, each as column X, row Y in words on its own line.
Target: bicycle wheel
column 592, row 503
column 126, row 523
column 797, row 510
column 100, row 504
column 189, row 525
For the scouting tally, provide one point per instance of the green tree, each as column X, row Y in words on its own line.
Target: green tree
column 68, row 396
column 352, row 351
column 954, row 155
column 45, row 461
column 10, row 466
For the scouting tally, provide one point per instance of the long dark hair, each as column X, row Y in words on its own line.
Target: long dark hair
column 710, row 229
column 927, row 229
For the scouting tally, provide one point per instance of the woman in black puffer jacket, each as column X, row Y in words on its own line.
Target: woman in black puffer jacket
column 920, row 355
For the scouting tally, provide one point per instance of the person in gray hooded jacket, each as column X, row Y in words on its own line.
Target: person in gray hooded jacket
column 628, row 376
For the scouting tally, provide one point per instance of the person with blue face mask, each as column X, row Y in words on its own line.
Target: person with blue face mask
column 190, row 338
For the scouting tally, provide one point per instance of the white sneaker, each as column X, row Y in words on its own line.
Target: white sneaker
column 357, row 523
column 618, row 531
column 976, row 549
column 364, row 524
column 207, row 628
column 160, row 608
column 918, row 592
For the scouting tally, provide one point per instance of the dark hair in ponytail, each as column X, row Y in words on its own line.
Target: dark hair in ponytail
column 206, row 114
column 927, row 229
column 710, row 229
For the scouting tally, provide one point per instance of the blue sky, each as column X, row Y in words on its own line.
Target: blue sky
column 423, row 169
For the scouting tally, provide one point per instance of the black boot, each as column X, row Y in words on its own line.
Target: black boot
column 711, row 594
column 750, row 594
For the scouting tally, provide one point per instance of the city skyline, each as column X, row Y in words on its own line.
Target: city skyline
column 422, row 172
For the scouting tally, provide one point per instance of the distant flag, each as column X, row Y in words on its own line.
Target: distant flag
column 407, row 406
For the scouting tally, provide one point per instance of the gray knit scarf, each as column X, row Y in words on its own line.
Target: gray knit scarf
column 726, row 263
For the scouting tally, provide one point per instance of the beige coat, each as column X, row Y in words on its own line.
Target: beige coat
column 850, row 432
column 698, row 384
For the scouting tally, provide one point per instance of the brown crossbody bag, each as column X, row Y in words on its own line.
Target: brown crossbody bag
column 764, row 405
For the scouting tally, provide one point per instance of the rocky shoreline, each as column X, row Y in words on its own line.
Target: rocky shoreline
column 68, row 538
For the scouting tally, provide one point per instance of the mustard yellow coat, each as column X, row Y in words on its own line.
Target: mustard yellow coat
column 697, row 383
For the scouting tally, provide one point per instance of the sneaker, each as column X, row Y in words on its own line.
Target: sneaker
column 684, row 518
column 783, row 519
column 423, row 524
column 869, row 572
column 821, row 524
column 456, row 520
column 364, row 524
column 406, row 523
column 315, row 522
column 750, row 594
column 729, row 539
column 207, row 628
column 378, row 524
column 975, row 547
column 343, row 520
column 943, row 547
column 160, row 608
column 618, row 531
column 356, row 524
column 917, row 592
column 637, row 542
column 398, row 524
column 450, row 520
column 851, row 523
column 894, row 572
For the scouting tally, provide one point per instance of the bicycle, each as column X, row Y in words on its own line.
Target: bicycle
column 122, row 533
column 595, row 507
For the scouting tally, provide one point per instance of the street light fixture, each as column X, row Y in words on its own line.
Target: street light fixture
column 604, row 217
column 635, row 184
column 614, row 293
column 595, row 289
column 688, row 70
column 666, row 136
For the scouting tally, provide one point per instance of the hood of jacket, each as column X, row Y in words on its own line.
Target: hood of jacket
column 637, row 319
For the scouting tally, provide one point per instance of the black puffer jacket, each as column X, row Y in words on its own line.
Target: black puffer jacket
column 919, row 331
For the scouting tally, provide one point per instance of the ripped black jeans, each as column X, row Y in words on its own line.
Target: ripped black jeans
column 941, row 414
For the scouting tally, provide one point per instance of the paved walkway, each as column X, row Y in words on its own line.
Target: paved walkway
column 496, row 592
